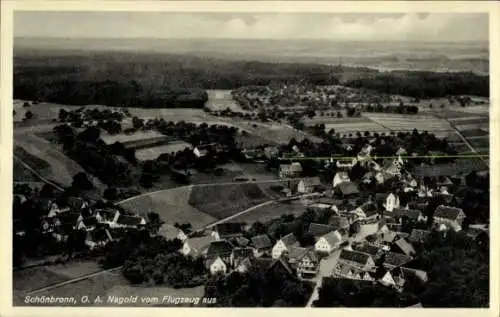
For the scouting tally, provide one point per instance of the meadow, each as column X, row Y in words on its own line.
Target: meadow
column 396, row 122
column 271, row 211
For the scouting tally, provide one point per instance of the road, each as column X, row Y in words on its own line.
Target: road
column 325, row 269
column 43, row 179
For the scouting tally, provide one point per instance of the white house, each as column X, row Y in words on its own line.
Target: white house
column 449, row 217
column 391, row 202
column 55, row 210
column 216, row 266
column 328, row 242
column 197, row 246
column 107, row 216
column 200, row 152
column 124, row 221
column 340, row 177
column 346, row 163
column 283, row 245
column 308, row 185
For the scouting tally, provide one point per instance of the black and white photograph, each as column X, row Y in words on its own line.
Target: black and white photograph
column 250, row 159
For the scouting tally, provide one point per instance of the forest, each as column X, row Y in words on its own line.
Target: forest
column 155, row 80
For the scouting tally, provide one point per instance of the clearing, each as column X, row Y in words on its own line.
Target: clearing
column 172, row 206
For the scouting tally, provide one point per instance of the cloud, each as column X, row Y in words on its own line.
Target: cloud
column 357, row 27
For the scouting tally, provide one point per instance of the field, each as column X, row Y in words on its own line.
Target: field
column 22, row 174
column 354, row 127
column 396, row 122
column 152, row 153
column 480, row 142
column 134, row 137
column 334, row 120
column 271, row 211
column 219, row 100
column 474, row 133
column 476, row 110
column 172, row 206
column 33, row 278
column 221, row 201
column 74, row 269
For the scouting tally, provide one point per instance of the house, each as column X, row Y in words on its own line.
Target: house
column 449, row 217
column 346, row 271
column 55, row 210
column 97, row 238
column 308, row 265
column 216, row 265
column 308, row 185
column 62, row 232
column 70, row 218
column 393, row 278
column 77, row 204
column 107, row 216
column 227, row 230
column 89, row 223
column 329, row 242
column 368, row 178
column 338, row 222
column 294, row 254
column 261, row 244
column 340, row 177
column 201, row 151
column 412, row 214
column 375, row 252
column 346, row 163
column 197, row 246
column 271, row 152
column 244, row 265
column 239, row 255
column 404, row 246
column 364, row 153
column 318, row 229
column 347, row 189
column 391, row 202
column 357, row 259
column 420, row 275
column 170, row 232
column 125, row 221
column 392, row 260
column 290, row 170
column 419, row 236
column 367, row 211
column 240, row 241
column 220, row 248
column 283, row 245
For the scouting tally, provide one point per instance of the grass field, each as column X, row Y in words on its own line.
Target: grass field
column 33, row 161
column 478, row 110
column 409, row 122
column 269, row 212
column 152, row 153
column 474, row 133
column 221, row 201
column 334, row 120
column 355, row 127
column 480, row 142
column 33, row 278
column 74, row 269
column 172, row 206
column 219, row 100
column 22, row 174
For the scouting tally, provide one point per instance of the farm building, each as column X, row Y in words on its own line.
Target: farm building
column 449, row 217
column 290, row 170
column 340, row 177
column 283, row 245
column 308, row 185
column 261, row 244
column 329, row 242
column 197, row 246
column 227, row 230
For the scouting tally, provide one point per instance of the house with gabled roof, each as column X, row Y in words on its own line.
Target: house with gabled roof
column 338, row 222
column 88, row 223
column 97, row 238
column 55, row 210
column 308, row 185
column 238, row 255
column 446, row 217
column 63, row 231
column 368, row 210
column 393, row 259
column 216, row 265
column 197, row 246
column 107, row 216
column 290, row 170
column 413, row 214
column 327, row 243
column 393, row 278
column 347, row 189
column 391, row 202
column 228, row 230
column 77, row 204
column 373, row 250
column 308, row 264
column 261, row 244
column 283, row 245
column 125, row 221
column 340, row 177
column 294, row 254
column 220, row 248
column 70, row 218
column 346, row 271
column 318, row 229
column 404, row 246
column 357, row 259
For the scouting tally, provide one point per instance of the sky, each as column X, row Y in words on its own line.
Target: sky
column 447, row 27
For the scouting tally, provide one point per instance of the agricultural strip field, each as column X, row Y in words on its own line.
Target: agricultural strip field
column 477, row 110
column 409, row 122
column 469, row 120
column 271, row 211
column 474, row 133
column 355, row 127
column 22, row 174
column 480, row 142
column 334, row 120
column 219, row 100
column 221, row 201
column 172, row 206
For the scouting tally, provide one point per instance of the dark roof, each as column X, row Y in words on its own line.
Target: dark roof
column 354, row 256
column 69, row 218
column 99, row 235
column 90, row 221
column 419, row 235
column 410, row 213
column 338, row 222
column 369, row 209
column 64, row 229
column 348, row 188
column 261, row 241
column 241, row 241
column 319, row 229
column 333, row 237
column 289, row 240
column 328, row 200
column 107, row 214
column 396, row 259
column 219, row 248
column 129, row 220
column 447, row 212
column 75, row 203
column 240, row 253
column 229, row 228
column 405, row 246
column 367, row 248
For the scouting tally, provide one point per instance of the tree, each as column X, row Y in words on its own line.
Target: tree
column 63, row 115
column 26, row 105
column 28, row 115
column 81, row 181
column 110, row 193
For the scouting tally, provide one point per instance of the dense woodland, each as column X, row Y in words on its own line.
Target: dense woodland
column 162, row 80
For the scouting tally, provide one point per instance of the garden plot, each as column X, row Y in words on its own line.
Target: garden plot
column 410, row 122
column 479, row 110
